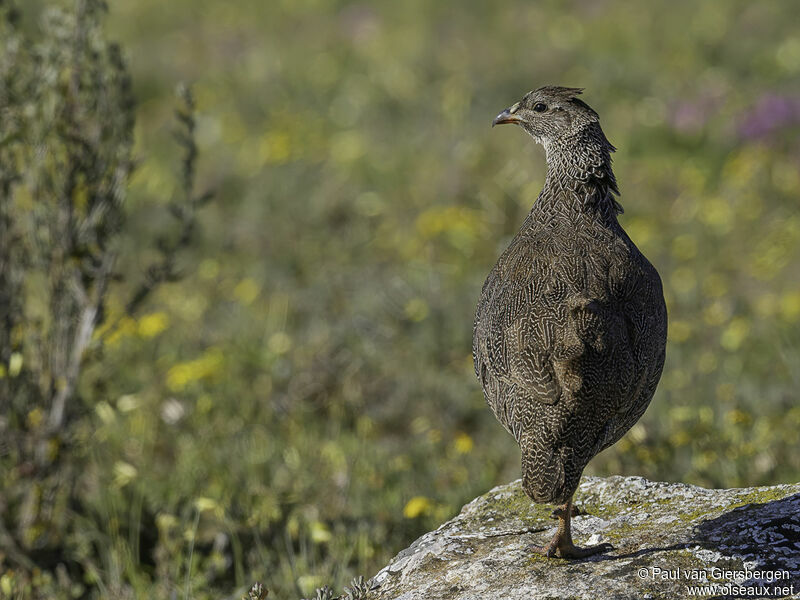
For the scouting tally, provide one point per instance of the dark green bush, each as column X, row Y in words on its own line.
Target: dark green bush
column 66, row 121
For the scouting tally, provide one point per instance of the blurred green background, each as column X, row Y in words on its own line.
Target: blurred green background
column 302, row 404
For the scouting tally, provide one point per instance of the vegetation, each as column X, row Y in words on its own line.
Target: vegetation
column 299, row 404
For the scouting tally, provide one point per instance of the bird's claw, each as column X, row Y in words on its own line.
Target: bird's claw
column 554, row 550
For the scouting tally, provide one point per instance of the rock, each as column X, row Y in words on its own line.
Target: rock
column 667, row 537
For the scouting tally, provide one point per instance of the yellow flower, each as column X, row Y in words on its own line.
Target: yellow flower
column 457, row 220
column 738, row 417
column 207, row 365
column 417, row 506
column 124, row 473
column 7, row 584
column 320, row 532
column 416, row 309
column 105, row 411
column 35, row 418
column 790, row 306
column 127, row 403
column 246, row 291
column 463, row 443
column 14, row 364
column 153, row 324
column 166, row 521
column 125, row 328
column 275, row 147
column 680, row 438
column 735, row 333
column 203, row 504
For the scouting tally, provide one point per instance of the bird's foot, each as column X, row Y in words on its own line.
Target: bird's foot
column 569, row 550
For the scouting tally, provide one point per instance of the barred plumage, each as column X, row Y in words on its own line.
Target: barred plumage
column 571, row 326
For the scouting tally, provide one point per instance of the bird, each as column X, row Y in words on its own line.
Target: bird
column 570, row 331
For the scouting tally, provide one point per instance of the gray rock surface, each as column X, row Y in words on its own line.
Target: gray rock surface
column 667, row 537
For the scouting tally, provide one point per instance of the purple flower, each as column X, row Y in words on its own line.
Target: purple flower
column 770, row 114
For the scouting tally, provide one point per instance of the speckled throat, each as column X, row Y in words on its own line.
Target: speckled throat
column 579, row 176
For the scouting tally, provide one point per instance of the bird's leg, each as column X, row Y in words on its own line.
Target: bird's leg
column 559, row 511
column 561, row 545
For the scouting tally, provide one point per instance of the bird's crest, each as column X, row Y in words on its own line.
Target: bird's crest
column 566, row 94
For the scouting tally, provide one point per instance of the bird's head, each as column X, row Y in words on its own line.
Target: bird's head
column 550, row 114
column 570, row 132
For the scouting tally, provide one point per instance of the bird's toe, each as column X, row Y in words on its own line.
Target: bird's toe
column 572, row 551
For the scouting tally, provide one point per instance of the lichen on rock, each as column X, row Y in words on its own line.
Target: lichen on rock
column 667, row 537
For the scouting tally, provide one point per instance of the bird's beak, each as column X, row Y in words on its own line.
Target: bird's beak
column 507, row 116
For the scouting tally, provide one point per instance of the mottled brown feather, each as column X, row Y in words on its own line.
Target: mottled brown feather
column 570, row 330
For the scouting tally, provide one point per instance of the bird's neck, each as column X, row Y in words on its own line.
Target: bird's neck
column 579, row 179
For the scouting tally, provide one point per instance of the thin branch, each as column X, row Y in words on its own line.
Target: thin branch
column 83, row 335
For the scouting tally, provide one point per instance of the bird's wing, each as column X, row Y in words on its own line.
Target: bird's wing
column 550, row 326
column 517, row 329
column 641, row 334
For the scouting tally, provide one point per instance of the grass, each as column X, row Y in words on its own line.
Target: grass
column 272, row 415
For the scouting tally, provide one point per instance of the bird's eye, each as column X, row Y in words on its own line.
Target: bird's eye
column 539, row 107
